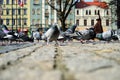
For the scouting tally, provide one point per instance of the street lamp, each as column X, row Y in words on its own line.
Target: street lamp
column 16, row 16
column 31, row 28
column 12, row 14
column 0, row 14
column 0, row 10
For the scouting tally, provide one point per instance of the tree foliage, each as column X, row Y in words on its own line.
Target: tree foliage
column 63, row 8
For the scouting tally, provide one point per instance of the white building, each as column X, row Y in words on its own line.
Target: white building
column 86, row 13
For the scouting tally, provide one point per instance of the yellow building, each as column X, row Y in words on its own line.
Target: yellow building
column 14, row 15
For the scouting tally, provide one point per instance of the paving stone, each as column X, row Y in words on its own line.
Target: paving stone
column 72, row 61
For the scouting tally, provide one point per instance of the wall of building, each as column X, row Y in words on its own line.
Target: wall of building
column 44, row 15
column 14, row 15
column 90, row 13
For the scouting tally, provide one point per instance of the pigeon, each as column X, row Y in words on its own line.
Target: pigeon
column 86, row 34
column 109, row 35
column 10, row 37
column 71, row 29
column 51, row 34
column 2, row 34
column 68, row 34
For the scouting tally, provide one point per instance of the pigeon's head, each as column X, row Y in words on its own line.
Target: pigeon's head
column 50, row 31
column 72, row 29
column 56, row 27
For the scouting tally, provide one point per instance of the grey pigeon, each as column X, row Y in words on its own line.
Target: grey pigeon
column 71, row 29
column 68, row 34
column 51, row 34
column 109, row 35
column 86, row 34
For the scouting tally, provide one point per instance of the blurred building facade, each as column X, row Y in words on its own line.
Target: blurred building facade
column 32, row 14
column 14, row 15
column 86, row 13
column 44, row 16
column 38, row 14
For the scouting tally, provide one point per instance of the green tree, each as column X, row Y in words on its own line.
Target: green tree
column 63, row 8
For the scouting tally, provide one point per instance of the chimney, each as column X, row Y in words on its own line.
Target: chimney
column 82, row 1
column 96, row 0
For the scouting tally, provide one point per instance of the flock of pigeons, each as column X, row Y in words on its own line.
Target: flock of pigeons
column 10, row 36
column 55, row 34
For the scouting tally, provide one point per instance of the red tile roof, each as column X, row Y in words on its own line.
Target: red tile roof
column 83, row 4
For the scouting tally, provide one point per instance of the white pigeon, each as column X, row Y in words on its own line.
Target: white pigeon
column 52, row 34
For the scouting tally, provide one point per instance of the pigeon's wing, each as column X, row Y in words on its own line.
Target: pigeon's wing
column 48, row 33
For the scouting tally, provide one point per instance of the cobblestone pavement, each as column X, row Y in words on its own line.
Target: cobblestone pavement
column 14, row 46
column 70, row 61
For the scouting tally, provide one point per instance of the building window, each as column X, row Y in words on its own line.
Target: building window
column 13, row 22
column 7, row 21
column 95, row 12
column 7, row 2
column 38, row 21
column 14, row 1
column 77, row 22
column 36, row 2
column 2, row 12
column 89, row 12
column 25, row 1
column 1, row 1
column 25, row 21
column 77, row 12
column 85, row 22
column 33, row 21
column 107, row 12
column 13, row 11
column 107, row 22
column 92, row 22
column 25, row 11
column 38, row 11
column 33, row 11
column 16, row 20
column 7, row 11
column 47, row 13
column 86, row 12
column 98, row 12
column 19, row 21
column 19, row 11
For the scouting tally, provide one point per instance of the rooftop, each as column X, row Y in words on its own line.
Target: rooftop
column 83, row 4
